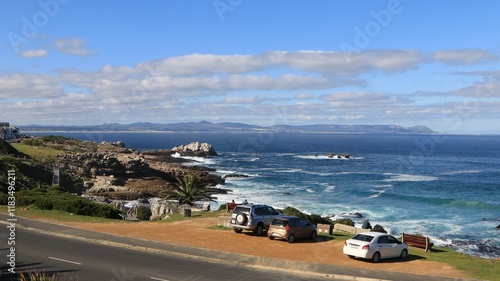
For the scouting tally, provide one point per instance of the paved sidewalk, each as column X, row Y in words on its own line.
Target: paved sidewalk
column 328, row 271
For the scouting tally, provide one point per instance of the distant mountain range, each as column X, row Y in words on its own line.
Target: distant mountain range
column 205, row 126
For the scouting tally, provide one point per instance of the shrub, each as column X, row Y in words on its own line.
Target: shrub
column 346, row 221
column 313, row 218
column 143, row 213
column 43, row 203
column 3, row 199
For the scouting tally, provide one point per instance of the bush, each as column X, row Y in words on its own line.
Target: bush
column 43, row 203
column 56, row 199
column 346, row 221
column 313, row 218
column 143, row 213
column 3, row 199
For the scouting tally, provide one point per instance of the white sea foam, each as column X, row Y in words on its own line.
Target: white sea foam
column 289, row 171
column 329, row 189
column 203, row 160
column 452, row 173
column 318, row 173
column 326, row 157
column 405, row 177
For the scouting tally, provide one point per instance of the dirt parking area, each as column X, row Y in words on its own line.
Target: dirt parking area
column 200, row 232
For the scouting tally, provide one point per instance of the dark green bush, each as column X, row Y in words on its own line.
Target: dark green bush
column 56, row 199
column 3, row 199
column 346, row 221
column 43, row 203
column 313, row 218
column 143, row 213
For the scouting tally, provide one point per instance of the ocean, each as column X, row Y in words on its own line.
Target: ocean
column 446, row 187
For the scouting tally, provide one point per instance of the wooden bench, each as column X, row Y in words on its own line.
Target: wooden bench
column 417, row 241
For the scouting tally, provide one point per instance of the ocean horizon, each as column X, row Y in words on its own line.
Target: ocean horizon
column 442, row 186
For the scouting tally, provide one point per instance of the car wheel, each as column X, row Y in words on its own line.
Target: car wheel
column 259, row 229
column 376, row 257
column 291, row 238
column 241, row 219
column 238, row 230
column 350, row 256
column 404, row 254
column 314, row 236
column 271, row 238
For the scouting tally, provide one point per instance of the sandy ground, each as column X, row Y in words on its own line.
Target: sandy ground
column 196, row 232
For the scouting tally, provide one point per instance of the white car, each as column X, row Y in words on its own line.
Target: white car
column 375, row 246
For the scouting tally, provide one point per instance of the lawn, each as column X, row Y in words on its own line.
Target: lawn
column 39, row 153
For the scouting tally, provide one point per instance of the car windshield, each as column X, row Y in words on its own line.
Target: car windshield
column 363, row 237
column 278, row 222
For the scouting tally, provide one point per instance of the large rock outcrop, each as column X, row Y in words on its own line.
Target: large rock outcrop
column 195, row 149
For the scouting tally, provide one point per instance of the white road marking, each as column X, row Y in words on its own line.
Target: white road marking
column 73, row 262
column 158, row 279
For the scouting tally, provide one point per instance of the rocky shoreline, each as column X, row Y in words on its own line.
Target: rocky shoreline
column 112, row 171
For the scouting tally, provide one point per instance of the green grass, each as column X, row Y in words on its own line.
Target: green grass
column 34, row 213
column 39, row 153
column 475, row 267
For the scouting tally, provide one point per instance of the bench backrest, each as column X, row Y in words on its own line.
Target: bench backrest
column 417, row 241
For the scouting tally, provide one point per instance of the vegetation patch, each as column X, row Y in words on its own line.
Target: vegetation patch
column 55, row 198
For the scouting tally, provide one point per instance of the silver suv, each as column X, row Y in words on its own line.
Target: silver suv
column 252, row 217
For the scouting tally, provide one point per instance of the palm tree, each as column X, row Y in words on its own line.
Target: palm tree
column 188, row 191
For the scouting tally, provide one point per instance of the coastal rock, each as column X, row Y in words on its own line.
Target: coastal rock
column 118, row 205
column 236, row 176
column 379, row 228
column 162, row 208
column 195, row 149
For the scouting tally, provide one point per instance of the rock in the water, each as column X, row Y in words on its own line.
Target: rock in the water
column 195, row 149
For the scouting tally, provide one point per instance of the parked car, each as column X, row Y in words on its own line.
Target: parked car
column 375, row 246
column 254, row 217
column 290, row 228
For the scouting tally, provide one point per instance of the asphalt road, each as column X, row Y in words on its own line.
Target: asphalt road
column 91, row 261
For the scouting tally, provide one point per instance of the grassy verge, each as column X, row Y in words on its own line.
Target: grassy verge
column 39, row 153
column 475, row 267
column 54, row 215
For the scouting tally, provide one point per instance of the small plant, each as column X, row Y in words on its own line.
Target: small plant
column 41, row 276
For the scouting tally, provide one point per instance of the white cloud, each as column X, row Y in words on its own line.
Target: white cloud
column 72, row 46
column 342, row 63
column 465, row 56
column 294, row 87
column 304, row 96
column 29, row 54
column 30, row 86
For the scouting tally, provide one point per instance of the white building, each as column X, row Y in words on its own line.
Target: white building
column 8, row 131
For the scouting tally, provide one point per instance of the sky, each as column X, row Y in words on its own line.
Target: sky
column 391, row 62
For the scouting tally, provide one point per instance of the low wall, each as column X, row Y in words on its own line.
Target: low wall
column 349, row 229
column 223, row 221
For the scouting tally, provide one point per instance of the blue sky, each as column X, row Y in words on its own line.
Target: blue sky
column 432, row 63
